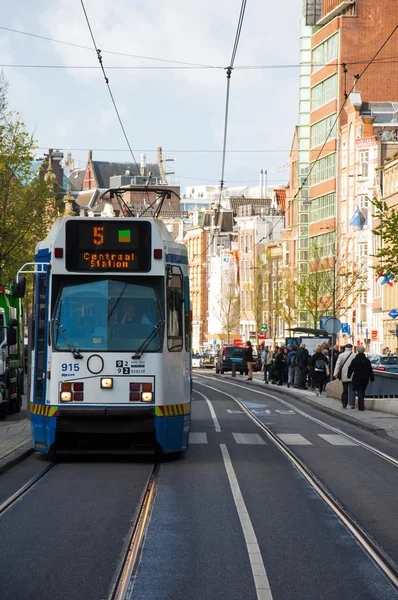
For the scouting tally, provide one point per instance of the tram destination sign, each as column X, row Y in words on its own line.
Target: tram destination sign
column 100, row 245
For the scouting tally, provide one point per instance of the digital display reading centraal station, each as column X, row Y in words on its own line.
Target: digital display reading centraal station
column 99, row 245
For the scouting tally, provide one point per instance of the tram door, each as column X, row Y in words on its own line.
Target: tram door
column 39, row 375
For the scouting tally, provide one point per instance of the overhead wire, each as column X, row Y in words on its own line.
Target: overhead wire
column 229, row 70
column 108, row 86
column 357, row 78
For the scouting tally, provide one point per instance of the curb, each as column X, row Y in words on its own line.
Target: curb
column 15, row 457
column 326, row 409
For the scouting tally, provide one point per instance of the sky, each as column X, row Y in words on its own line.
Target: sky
column 161, row 103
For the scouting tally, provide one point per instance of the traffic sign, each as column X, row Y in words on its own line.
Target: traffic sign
column 264, row 328
column 345, row 328
column 214, row 341
column 393, row 313
column 332, row 325
column 322, row 322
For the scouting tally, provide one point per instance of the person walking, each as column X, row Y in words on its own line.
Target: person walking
column 291, row 365
column 341, row 372
column 361, row 371
column 280, row 366
column 267, row 363
column 249, row 360
column 302, row 367
column 318, row 370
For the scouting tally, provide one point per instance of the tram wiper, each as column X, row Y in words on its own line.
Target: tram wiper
column 62, row 332
column 157, row 329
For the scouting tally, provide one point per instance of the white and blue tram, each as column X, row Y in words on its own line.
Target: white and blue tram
column 110, row 359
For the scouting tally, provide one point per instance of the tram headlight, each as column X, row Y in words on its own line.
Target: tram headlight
column 106, row 383
column 65, row 397
column 146, row 397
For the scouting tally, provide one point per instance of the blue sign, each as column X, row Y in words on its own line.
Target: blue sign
column 345, row 328
column 393, row 313
column 322, row 322
column 214, row 341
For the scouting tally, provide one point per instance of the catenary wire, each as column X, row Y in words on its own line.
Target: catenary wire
column 108, row 86
column 48, row 39
column 357, row 78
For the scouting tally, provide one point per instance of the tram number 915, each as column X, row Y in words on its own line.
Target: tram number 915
column 70, row 367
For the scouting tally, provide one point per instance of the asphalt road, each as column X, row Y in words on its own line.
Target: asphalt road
column 232, row 518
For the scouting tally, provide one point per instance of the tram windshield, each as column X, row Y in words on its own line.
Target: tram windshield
column 108, row 315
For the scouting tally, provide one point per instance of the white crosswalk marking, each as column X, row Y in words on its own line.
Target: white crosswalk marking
column 336, row 440
column 248, row 438
column 197, row 437
column 294, row 439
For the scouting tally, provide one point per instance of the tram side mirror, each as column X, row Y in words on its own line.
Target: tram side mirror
column 12, row 322
column 11, row 336
column 18, row 287
column 178, row 300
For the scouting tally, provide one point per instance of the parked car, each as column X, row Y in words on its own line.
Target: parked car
column 207, row 360
column 387, row 364
column 196, row 358
column 229, row 355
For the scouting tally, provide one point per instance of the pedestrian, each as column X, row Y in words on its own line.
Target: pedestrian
column 341, row 372
column 267, row 363
column 279, row 366
column 249, row 360
column 318, row 370
column 327, row 361
column 291, row 365
column 361, row 371
column 302, row 367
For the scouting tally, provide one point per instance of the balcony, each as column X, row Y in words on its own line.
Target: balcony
column 333, row 8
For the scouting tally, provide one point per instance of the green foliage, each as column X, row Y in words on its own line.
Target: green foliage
column 387, row 230
column 230, row 307
column 27, row 205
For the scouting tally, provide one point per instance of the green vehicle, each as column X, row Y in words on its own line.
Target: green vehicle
column 11, row 352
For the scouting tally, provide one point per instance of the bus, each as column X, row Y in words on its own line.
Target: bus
column 110, row 360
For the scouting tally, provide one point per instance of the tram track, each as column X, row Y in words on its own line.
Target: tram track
column 27, row 486
column 121, row 587
column 387, row 565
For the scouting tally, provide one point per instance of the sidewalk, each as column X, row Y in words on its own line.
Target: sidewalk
column 15, row 442
column 379, row 423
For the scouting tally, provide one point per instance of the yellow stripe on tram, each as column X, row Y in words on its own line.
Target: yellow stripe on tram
column 173, row 410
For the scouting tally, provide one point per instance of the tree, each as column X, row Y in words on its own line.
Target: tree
column 331, row 286
column 27, row 204
column 230, row 307
column 288, row 304
column 387, row 231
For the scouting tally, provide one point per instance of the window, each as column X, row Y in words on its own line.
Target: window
column 364, row 163
column 344, row 155
column 325, row 52
column 324, row 130
column 363, row 202
column 324, row 92
column 322, row 246
column 175, row 305
column 323, row 207
column 323, row 169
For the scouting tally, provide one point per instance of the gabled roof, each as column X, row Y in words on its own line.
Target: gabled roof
column 104, row 170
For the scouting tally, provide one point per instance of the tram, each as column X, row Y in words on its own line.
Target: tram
column 110, row 361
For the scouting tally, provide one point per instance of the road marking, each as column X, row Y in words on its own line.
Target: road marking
column 212, row 412
column 294, row 439
column 197, row 437
column 261, row 582
column 336, row 440
column 235, row 412
column 248, row 438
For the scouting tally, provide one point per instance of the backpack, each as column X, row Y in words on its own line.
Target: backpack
column 293, row 359
column 319, row 366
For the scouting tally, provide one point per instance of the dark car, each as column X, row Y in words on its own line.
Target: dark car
column 229, row 355
column 208, row 360
column 387, row 364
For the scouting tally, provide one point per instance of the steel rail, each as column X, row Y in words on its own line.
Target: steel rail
column 364, row 445
column 19, row 493
column 132, row 554
column 384, row 562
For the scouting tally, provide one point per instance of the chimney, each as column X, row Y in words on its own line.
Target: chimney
column 265, row 183
column 143, row 165
column 90, row 155
column 261, row 183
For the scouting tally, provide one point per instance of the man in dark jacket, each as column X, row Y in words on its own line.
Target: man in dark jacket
column 302, row 367
column 361, row 371
column 249, row 360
